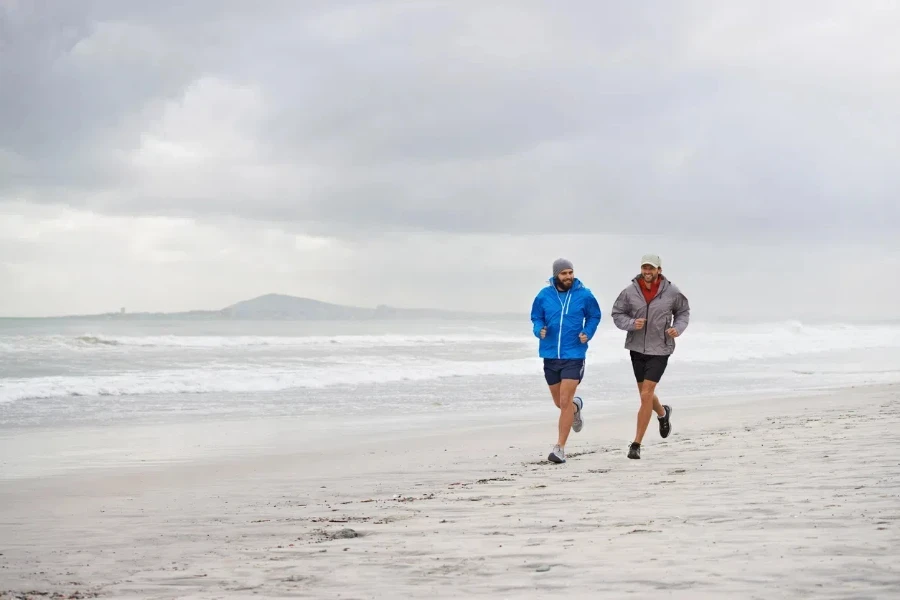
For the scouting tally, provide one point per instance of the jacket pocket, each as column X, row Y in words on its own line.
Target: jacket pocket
column 667, row 339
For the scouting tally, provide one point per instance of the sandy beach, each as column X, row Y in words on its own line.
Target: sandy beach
column 793, row 497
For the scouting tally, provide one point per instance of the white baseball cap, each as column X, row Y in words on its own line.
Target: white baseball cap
column 651, row 259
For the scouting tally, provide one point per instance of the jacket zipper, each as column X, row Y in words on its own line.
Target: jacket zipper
column 562, row 313
column 647, row 322
column 647, row 318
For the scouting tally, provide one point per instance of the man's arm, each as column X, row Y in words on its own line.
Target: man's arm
column 619, row 315
column 537, row 316
column 681, row 309
column 592, row 316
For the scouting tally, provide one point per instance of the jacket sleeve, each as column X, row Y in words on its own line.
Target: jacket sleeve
column 619, row 315
column 681, row 310
column 592, row 315
column 537, row 316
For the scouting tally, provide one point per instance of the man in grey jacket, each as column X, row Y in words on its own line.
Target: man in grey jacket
column 654, row 312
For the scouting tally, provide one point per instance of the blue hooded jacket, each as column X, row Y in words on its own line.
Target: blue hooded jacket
column 565, row 315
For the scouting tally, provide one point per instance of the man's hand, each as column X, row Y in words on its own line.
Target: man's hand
column 543, row 332
column 672, row 332
column 639, row 323
column 583, row 337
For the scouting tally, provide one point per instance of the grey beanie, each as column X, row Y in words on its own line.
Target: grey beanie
column 561, row 264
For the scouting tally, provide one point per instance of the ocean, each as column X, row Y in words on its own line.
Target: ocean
column 74, row 389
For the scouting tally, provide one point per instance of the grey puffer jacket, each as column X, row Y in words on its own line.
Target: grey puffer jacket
column 669, row 308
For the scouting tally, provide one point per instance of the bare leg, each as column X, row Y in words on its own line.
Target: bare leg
column 657, row 407
column 554, row 392
column 566, row 409
column 649, row 405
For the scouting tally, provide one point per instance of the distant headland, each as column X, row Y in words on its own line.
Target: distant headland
column 282, row 307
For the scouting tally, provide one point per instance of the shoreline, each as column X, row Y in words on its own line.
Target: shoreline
column 778, row 496
column 95, row 450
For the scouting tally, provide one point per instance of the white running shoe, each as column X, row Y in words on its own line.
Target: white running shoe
column 557, row 455
column 578, row 422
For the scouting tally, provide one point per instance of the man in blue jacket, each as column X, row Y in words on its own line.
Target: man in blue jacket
column 565, row 316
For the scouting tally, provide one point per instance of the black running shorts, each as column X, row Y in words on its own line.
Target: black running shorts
column 556, row 369
column 648, row 367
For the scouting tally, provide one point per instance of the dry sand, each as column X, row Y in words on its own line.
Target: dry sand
column 779, row 498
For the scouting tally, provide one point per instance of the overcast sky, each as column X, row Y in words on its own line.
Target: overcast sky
column 169, row 155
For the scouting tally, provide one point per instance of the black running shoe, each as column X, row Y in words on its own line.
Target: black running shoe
column 665, row 426
column 635, row 450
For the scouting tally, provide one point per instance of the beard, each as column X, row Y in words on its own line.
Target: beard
column 563, row 285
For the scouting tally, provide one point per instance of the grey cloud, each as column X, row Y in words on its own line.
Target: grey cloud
column 701, row 119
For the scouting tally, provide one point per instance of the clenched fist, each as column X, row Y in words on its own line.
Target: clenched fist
column 672, row 332
column 639, row 323
column 583, row 337
column 543, row 332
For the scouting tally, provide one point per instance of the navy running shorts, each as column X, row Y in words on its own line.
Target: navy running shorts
column 557, row 369
column 648, row 367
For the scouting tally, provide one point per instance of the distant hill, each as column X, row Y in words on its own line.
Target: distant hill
column 292, row 308
column 279, row 306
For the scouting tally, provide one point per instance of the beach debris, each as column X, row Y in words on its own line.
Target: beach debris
column 76, row 595
column 323, row 535
column 344, row 534
column 399, row 498
column 581, row 453
column 338, row 519
column 643, row 531
column 388, row 519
